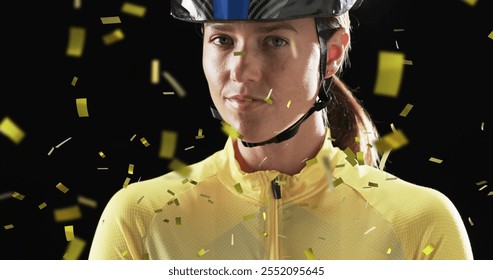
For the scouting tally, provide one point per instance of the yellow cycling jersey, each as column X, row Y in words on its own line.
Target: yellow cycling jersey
column 345, row 211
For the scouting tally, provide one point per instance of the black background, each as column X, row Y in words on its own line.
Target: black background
column 448, row 84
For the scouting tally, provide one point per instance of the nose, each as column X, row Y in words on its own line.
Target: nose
column 245, row 65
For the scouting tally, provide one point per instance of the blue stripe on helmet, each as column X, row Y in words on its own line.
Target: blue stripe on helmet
column 231, row 9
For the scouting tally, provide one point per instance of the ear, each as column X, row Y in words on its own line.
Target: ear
column 336, row 50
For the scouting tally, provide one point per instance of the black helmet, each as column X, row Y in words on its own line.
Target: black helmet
column 200, row 11
column 214, row 10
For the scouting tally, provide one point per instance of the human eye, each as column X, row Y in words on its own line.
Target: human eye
column 275, row 41
column 221, row 40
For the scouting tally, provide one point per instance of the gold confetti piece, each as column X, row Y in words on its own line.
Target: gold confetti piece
column 350, row 156
column 42, row 205
column 169, row 140
column 67, row 213
column 178, row 221
column 110, row 20
column 168, row 92
column 309, row 254
column 267, row 98
column 82, row 107
column 180, row 167
column 77, row 38
column 155, row 70
column 174, row 84
column 102, row 168
column 145, row 256
column 481, row 182
column 294, row 50
column 265, row 234
column 289, row 104
column 113, row 37
column 240, row 53
column 51, row 151
column 482, row 125
column 491, row 35
column 18, row 196
column 62, row 187
column 389, row 74
column 238, row 188
column 158, row 210
column 470, row 221
column 9, row 226
column 370, row 230
column 249, row 216
column 74, row 81
column 176, row 202
column 124, row 253
column 130, row 169
column 406, row 110
column 338, row 181
column 428, row 249
column 166, row 220
column 87, row 201
column 471, row 3
column 230, row 131
column 232, row 239
column 133, row 9
column 10, row 129
column 171, row 192
column 133, row 137
column 144, row 142
column 77, row 4
column 396, row 44
column 101, row 154
column 407, row 62
column 483, row 187
column 435, row 160
column 389, row 250
column 360, row 157
column 311, row 161
column 74, row 249
column 126, row 182
column 398, row 29
column 69, row 233
column 340, row 165
column 199, row 134
column 383, row 160
column 201, row 252
column 391, row 141
column 490, row 193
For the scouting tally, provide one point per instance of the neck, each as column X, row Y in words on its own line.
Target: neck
column 288, row 156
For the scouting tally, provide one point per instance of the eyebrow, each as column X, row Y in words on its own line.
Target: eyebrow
column 263, row 29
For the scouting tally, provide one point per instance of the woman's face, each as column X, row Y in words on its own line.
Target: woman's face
column 262, row 76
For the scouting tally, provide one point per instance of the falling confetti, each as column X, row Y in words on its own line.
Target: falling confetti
column 389, row 75
column 10, row 129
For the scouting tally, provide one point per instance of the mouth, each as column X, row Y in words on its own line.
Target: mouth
column 243, row 103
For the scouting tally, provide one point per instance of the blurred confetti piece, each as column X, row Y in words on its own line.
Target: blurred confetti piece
column 338, row 181
column 133, row 9
column 101, row 154
column 10, row 129
column 69, row 233
column 6, row 195
column 389, row 73
column 74, row 81
column 428, row 249
column 174, row 83
column 77, row 4
column 155, row 70
column 240, row 53
column 471, row 3
column 289, row 104
column 389, row 250
column 435, row 160
column 62, row 187
column 74, row 249
column 87, row 201
column 406, row 110
column 133, row 137
column 110, row 20
column 169, row 140
column 370, row 230
column 350, row 156
column 311, row 161
column 18, row 196
column 202, row 252
column 67, row 213
column 77, row 38
column 180, row 167
column 113, row 37
column 130, row 169
column 249, row 216
column 9, row 226
column 309, row 254
column 391, row 141
column 82, row 107
column 294, row 50
column 42, row 205
column 490, row 35
column 230, row 131
column 482, row 125
column 470, row 221
column 63, row 142
column 178, row 221
column 383, row 160
column 483, row 182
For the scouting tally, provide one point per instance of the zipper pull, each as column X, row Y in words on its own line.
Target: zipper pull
column 276, row 189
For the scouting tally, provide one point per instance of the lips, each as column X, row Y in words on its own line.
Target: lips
column 243, row 103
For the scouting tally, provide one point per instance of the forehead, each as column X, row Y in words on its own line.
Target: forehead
column 293, row 25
